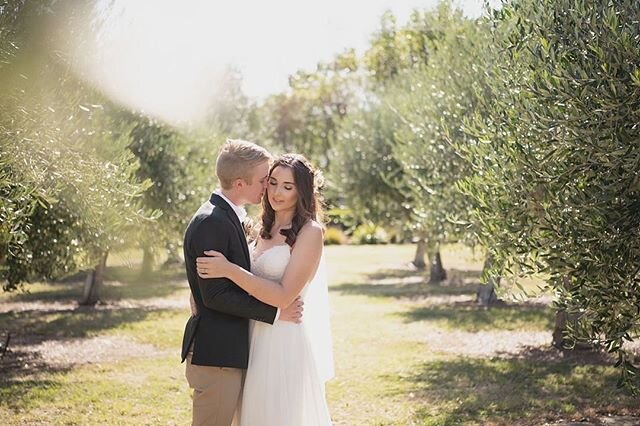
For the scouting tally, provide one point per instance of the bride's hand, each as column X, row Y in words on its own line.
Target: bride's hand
column 214, row 265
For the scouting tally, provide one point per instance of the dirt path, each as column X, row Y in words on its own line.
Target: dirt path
column 45, row 306
column 68, row 352
column 27, row 352
column 92, row 350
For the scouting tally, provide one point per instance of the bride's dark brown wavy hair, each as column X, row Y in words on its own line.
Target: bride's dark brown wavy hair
column 308, row 182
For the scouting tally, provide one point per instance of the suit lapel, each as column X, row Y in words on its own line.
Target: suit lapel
column 218, row 201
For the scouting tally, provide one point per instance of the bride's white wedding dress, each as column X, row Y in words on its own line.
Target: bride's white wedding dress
column 284, row 385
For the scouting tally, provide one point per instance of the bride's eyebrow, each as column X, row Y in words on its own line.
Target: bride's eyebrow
column 285, row 182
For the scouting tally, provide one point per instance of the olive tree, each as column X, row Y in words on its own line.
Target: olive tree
column 431, row 102
column 69, row 193
column 556, row 156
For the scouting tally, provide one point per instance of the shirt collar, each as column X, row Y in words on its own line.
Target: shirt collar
column 240, row 211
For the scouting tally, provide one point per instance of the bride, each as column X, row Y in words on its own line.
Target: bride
column 288, row 363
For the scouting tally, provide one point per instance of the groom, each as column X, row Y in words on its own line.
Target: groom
column 216, row 338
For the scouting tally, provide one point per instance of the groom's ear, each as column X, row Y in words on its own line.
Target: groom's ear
column 238, row 183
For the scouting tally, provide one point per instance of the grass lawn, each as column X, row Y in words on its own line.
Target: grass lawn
column 407, row 353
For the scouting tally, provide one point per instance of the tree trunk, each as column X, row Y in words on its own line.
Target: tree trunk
column 559, row 328
column 5, row 345
column 437, row 274
column 148, row 259
column 486, row 295
column 93, row 283
column 563, row 319
column 418, row 260
column 173, row 257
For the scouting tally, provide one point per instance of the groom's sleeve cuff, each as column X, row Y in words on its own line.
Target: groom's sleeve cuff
column 277, row 315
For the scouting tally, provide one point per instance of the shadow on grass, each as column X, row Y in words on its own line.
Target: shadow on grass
column 160, row 283
column 21, row 373
column 175, row 272
column 121, row 282
column 31, row 327
column 471, row 317
column 408, row 283
column 455, row 275
column 15, row 394
column 55, row 292
column 407, row 272
column 401, row 290
column 463, row 315
column 534, row 387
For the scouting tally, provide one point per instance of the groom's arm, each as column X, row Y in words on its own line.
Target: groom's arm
column 221, row 294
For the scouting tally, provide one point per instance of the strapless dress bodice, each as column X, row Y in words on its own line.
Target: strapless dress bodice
column 270, row 263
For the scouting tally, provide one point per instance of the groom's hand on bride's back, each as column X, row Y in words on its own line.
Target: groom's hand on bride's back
column 293, row 312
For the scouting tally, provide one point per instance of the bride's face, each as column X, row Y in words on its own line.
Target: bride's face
column 281, row 189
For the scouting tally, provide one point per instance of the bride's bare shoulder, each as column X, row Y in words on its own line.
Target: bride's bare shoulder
column 312, row 227
column 311, row 232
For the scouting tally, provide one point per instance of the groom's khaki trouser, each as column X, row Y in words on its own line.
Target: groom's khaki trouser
column 216, row 391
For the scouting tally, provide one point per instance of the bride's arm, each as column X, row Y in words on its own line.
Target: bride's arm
column 302, row 265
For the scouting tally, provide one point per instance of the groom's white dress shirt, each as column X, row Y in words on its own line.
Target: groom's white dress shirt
column 240, row 211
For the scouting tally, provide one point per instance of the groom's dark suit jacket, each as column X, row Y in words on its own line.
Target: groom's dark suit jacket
column 220, row 331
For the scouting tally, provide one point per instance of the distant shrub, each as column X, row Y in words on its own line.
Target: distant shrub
column 369, row 233
column 334, row 235
column 398, row 235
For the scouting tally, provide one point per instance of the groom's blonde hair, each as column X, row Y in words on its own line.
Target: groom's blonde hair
column 237, row 159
